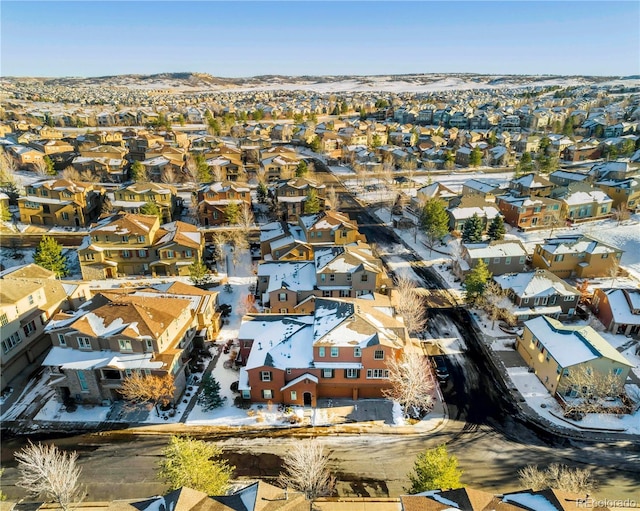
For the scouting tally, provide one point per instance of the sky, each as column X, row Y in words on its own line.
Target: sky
column 242, row 39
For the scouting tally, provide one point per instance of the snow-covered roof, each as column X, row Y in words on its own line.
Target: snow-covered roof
column 67, row 358
column 577, row 198
column 621, row 310
column 571, row 345
column 538, row 283
column 512, row 248
column 294, row 275
column 463, row 213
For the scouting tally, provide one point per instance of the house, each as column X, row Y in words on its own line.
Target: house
column 111, row 152
column 577, row 255
column 214, row 198
column 341, row 350
column 130, row 244
column 143, row 143
column 435, row 191
column 108, row 169
column 227, row 168
column 114, row 337
column 279, row 166
column 612, row 170
column 500, row 256
column 539, row 293
column 25, row 157
column 618, row 310
column 329, row 228
column 134, row 196
column 291, row 196
column 488, row 189
column 566, row 177
column 464, row 499
column 625, row 193
column 29, row 296
column 554, row 350
column 469, row 206
column 587, row 150
column 582, row 203
column 60, row 202
column 283, row 285
column 49, row 147
column 281, row 241
column 532, row 185
column 530, row 212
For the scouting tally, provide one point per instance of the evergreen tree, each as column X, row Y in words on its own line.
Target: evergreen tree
column 344, row 108
column 49, row 166
column 475, row 158
column 496, row 229
column 567, row 128
column 476, row 280
column 49, row 255
column 262, row 193
column 312, row 204
column 302, row 169
column 526, row 162
column 181, row 120
column 472, row 230
column 5, row 214
column 232, row 213
column 209, row 397
column 315, row 144
column 434, row 220
column 138, row 172
column 376, row 141
column 203, row 172
column 198, row 273
column 151, row 208
column 435, row 469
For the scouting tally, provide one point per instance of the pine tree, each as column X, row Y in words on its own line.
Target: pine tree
column 526, row 162
column 476, row 280
column 138, row 172
column 472, row 230
column 49, row 166
column 210, row 395
column 475, row 158
column 5, row 214
column 496, row 229
column 434, row 220
column 302, row 169
column 49, row 255
column 198, row 273
column 435, row 469
column 262, row 193
column 232, row 213
column 151, row 208
column 312, row 204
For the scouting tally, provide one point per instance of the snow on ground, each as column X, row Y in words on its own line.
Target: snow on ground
column 54, row 411
column 539, row 399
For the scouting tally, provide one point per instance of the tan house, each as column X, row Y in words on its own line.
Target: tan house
column 532, row 185
column 60, row 202
column 279, row 167
column 133, row 197
column 111, row 169
column 112, row 152
column 554, row 350
column 341, row 351
column 29, row 296
column 625, row 193
column 500, row 256
column 52, row 146
column 130, row 244
column 586, row 205
column 114, row 337
column 281, row 241
column 330, row 228
column 435, row 191
column 577, row 255
column 468, row 206
column 214, row 198
column 291, row 196
column 25, row 157
column 143, row 143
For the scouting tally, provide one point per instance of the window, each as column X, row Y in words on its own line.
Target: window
column 148, row 343
column 30, row 299
column 496, row 260
column 126, row 254
column 352, row 373
column 326, row 294
column 125, row 239
column 322, row 277
column 345, row 293
column 357, row 352
column 142, row 253
column 327, row 373
column 82, row 381
column 61, row 340
column 605, row 256
column 617, row 371
column 265, row 375
column 364, row 277
column 348, row 277
column 559, row 257
column 522, row 260
column 170, row 254
column 507, row 260
column 4, row 320
column 378, row 355
column 188, row 253
column 294, row 395
column 321, row 351
column 335, row 351
column 282, row 297
column 377, row 373
column 11, row 342
column 65, row 215
column 267, row 394
column 125, row 344
column 140, row 239
column 284, row 310
column 343, row 234
column 568, row 298
column 84, row 343
column 29, row 328
column 332, row 277
column 89, row 257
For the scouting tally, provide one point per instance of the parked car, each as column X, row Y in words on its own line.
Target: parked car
column 442, row 372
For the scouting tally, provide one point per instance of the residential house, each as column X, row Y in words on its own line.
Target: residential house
column 280, row 241
column 60, row 202
column 341, row 351
column 488, row 189
column 160, row 167
column 105, row 138
column 587, row 150
column 108, row 169
column 284, row 285
column 227, row 166
column 114, row 337
column 625, row 193
column 566, row 177
column 469, row 206
column 463, row 499
column 50, row 147
column 618, row 310
column 29, row 296
column 539, row 293
column 329, row 228
column 291, row 196
column 279, row 166
column 531, row 184
column 554, row 351
column 111, row 152
column 577, row 255
column 134, row 196
column 530, row 212
column 143, row 143
column 500, row 256
column 612, row 170
column 435, row 191
column 214, row 198
column 130, row 244
column 584, row 203
column 25, row 157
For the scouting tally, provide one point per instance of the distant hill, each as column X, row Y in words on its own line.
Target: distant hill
column 186, row 81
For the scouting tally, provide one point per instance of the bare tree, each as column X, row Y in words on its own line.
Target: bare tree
column 492, row 297
column 558, row 477
column 40, row 167
column 590, row 388
column 168, row 175
column 305, row 468
column 621, row 214
column 410, row 304
column 47, row 471
column 220, row 239
column 246, row 219
column 411, row 385
column 216, row 173
column 71, row 174
column 157, row 389
column 332, row 197
column 8, row 167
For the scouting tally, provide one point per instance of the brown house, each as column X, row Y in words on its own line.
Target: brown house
column 339, row 351
column 532, row 185
column 530, row 212
column 214, row 198
column 330, row 228
column 500, row 256
column 625, row 193
column 618, row 310
column 60, row 202
column 133, row 197
column 291, row 196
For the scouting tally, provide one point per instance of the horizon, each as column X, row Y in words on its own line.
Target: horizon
column 238, row 40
